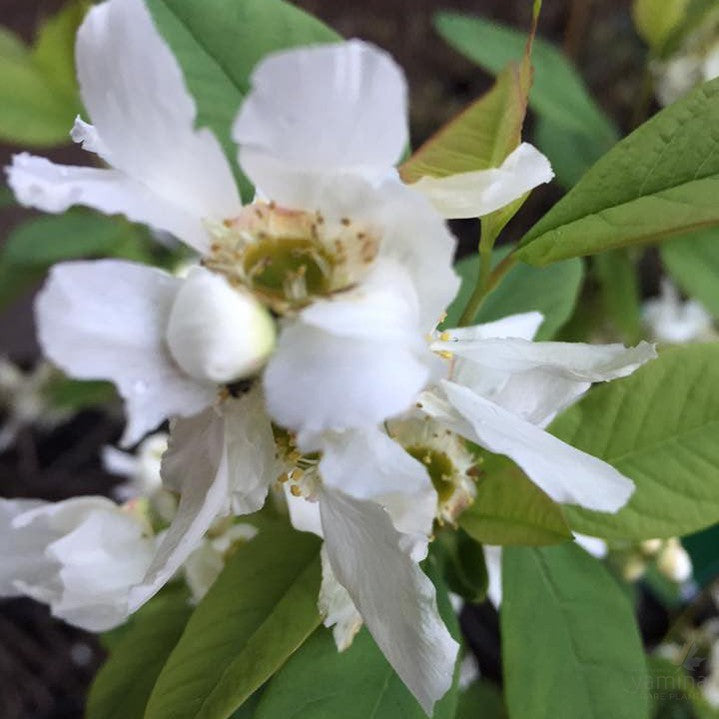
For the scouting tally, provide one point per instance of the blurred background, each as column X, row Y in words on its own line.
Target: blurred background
column 46, row 666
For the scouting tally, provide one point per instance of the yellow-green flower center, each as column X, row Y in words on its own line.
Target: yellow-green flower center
column 289, row 257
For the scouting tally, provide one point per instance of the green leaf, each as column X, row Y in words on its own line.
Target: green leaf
column 463, row 564
column 123, row 685
column 658, row 427
column 570, row 153
column 570, row 645
column 319, row 683
column 218, row 42
column 619, row 285
column 54, row 50
column 693, row 263
column 66, row 393
column 558, row 92
column 38, row 91
column 259, row 611
column 40, row 242
column 481, row 700
column 45, row 240
column 656, row 20
column 660, row 181
column 511, row 510
column 553, row 291
column 481, row 136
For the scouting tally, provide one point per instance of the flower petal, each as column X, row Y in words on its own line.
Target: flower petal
column 383, row 307
column 368, row 464
column 143, row 114
column 82, row 556
column 523, row 326
column 536, row 380
column 106, row 320
column 250, row 448
column 329, row 107
column 39, row 183
column 337, row 607
column 195, row 465
column 566, row 474
column 318, row 381
column 23, row 551
column 475, row 194
column 395, row 599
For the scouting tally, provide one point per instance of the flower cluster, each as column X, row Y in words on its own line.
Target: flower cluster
column 301, row 351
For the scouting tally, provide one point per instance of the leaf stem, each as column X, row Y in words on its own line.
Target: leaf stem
column 487, row 280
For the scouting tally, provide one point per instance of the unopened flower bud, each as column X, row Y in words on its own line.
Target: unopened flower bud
column 633, row 568
column 674, row 562
column 650, row 547
column 217, row 333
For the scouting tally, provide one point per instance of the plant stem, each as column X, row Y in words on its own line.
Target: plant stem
column 487, row 280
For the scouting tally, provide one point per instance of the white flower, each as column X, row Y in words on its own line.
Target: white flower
column 502, row 389
column 80, row 556
column 669, row 319
column 696, row 61
column 356, row 265
column 142, row 470
column 24, row 400
column 674, row 562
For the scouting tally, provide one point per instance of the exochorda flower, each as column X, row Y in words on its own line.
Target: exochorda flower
column 24, row 400
column 668, row 318
column 304, row 329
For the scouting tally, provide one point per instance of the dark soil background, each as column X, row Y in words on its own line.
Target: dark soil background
column 46, row 666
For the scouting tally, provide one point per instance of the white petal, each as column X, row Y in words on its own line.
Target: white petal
column 414, row 235
column 523, row 326
column 250, row 448
column 337, row 607
column 318, row 381
column 82, row 556
column 368, row 464
column 22, row 556
column 39, row 183
column 475, row 194
column 328, row 107
column 117, row 462
column 594, row 545
column 571, row 360
column 304, row 514
column 383, row 307
column 135, row 93
column 395, row 599
column 669, row 319
column 536, row 380
column 106, row 320
column 195, row 465
column 566, row 474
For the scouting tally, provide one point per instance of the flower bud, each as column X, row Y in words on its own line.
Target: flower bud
column 651, row 547
column 217, row 333
column 674, row 562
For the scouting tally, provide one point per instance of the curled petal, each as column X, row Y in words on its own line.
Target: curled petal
column 475, row 194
